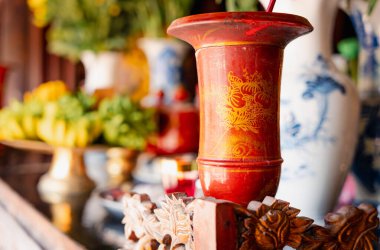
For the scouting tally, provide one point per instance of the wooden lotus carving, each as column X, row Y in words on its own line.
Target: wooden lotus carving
column 273, row 224
column 348, row 228
column 186, row 223
column 148, row 227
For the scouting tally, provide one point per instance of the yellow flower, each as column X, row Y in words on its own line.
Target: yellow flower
column 48, row 91
column 40, row 15
column 39, row 8
column 35, row 4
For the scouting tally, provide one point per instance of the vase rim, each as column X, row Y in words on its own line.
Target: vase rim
column 241, row 15
column 221, row 28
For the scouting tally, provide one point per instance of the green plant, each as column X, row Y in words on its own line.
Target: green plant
column 154, row 16
column 126, row 123
column 240, row 5
column 78, row 25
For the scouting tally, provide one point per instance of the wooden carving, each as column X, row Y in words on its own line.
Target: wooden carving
column 168, row 227
column 186, row 223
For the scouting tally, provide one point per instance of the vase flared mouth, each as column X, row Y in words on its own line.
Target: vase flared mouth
column 226, row 28
column 247, row 16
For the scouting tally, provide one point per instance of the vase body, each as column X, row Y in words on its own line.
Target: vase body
column 102, row 70
column 239, row 61
column 366, row 162
column 369, row 53
column 165, row 58
column 319, row 114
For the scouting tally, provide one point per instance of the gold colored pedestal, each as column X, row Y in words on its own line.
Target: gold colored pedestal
column 66, row 178
column 66, row 186
column 120, row 163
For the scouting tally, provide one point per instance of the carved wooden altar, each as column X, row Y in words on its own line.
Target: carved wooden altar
column 183, row 222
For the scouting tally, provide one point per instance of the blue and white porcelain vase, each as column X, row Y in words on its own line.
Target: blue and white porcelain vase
column 165, row 58
column 366, row 164
column 319, row 114
column 369, row 53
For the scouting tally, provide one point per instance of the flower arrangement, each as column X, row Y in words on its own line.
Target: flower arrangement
column 240, row 5
column 75, row 26
column 152, row 17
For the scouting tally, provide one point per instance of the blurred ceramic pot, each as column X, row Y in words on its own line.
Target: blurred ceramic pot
column 239, row 59
column 102, row 70
column 319, row 114
column 165, row 58
column 367, row 158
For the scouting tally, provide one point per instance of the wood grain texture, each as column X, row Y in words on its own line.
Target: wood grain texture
column 37, row 227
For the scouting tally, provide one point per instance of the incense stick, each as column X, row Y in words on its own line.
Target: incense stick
column 271, row 6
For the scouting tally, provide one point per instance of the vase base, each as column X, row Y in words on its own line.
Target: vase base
column 239, row 184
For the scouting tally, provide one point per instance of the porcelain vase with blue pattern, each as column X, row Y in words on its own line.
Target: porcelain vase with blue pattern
column 366, row 163
column 165, row 58
column 319, row 114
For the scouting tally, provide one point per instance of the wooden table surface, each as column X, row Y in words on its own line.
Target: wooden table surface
column 28, row 222
column 23, row 227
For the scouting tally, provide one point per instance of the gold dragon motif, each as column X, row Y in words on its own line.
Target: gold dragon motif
column 247, row 103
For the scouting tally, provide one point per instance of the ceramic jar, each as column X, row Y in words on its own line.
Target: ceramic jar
column 367, row 158
column 165, row 58
column 102, row 70
column 239, row 59
column 319, row 114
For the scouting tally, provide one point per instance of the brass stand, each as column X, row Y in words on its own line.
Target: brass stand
column 66, row 178
column 120, row 163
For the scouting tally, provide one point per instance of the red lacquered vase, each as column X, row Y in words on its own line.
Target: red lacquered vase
column 239, row 61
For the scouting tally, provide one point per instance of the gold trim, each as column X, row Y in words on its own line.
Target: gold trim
column 235, row 43
column 226, row 169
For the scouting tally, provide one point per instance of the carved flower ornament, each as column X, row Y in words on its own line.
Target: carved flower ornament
column 273, row 224
column 149, row 228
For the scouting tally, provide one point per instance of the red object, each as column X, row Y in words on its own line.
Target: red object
column 181, row 94
column 3, row 71
column 183, row 186
column 178, row 129
column 239, row 61
column 271, row 6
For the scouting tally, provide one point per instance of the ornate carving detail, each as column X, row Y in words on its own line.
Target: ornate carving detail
column 347, row 228
column 148, row 227
column 245, row 106
column 273, row 224
column 174, row 218
column 182, row 223
column 138, row 209
column 246, row 103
